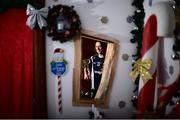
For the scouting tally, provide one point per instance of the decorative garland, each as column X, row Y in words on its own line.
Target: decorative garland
column 138, row 20
column 63, row 23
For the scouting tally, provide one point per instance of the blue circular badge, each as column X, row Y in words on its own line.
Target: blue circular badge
column 58, row 68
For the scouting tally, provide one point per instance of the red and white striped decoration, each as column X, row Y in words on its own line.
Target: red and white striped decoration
column 147, row 89
column 59, row 94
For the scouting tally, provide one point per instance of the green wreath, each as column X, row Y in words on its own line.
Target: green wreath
column 63, row 23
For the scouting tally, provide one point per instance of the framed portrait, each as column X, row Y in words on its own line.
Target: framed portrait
column 95, row 61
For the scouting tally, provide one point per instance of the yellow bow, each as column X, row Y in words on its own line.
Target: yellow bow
column 142, row 69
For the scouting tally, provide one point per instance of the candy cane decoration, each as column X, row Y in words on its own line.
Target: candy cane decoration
column 59, row 94
column 59, row 67
column 147, row 89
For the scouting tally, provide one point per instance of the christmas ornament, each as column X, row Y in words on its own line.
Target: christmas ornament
column 59, row 68
column 125, row 56
column 177, row 103
column 134, row 100
column 63, row 23
column 36, row 17
column 122, row 104
column 104, row 19
column 129, row 19
column 171, row 69
column 175, row 56
column 142, row 69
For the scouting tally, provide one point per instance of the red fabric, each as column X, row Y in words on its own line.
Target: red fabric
column 15, row 65
column 149, row 34
column 146, row 94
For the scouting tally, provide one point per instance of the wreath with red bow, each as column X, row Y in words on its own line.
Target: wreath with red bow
column 63, row 23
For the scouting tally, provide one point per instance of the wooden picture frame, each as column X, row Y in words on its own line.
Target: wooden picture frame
column 101, row 99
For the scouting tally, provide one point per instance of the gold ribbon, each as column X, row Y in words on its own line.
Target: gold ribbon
column 142, row 69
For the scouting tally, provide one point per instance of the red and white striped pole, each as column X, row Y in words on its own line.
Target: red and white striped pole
column 59, row 94
column 147, row 89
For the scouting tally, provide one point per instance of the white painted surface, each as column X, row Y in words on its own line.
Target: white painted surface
column 117, row 27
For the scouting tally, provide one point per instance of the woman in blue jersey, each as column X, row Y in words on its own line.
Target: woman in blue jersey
column 94, row 70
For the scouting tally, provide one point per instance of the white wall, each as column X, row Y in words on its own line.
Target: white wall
column 117, row 27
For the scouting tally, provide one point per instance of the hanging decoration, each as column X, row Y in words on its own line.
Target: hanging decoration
column 59, row 68
column 36, row 17
column 104, row 19
column 142, row 69
column 63, row 23
column 122, row 104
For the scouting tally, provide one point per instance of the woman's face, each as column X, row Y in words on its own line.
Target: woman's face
column 98, row 47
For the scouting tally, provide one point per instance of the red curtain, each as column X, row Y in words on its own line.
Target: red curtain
column 16, row 61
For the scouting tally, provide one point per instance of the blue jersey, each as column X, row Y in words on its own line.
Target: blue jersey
column 96, row 66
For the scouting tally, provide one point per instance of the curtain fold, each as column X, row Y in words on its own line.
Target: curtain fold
column 16, row 65
column 6, row 4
